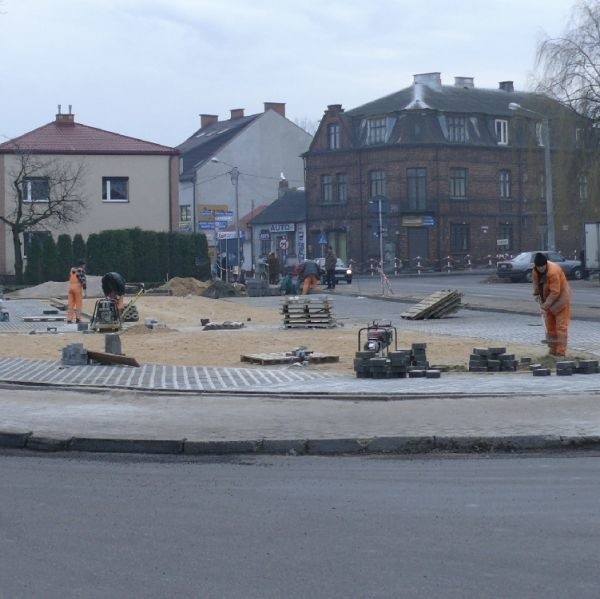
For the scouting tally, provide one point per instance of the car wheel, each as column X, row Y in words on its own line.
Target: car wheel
column 349, row 281
column 528, row 276
column 577, row 273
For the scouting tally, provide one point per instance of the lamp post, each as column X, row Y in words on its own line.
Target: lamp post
column 234, row 173
column 550, row 233
column 379, row 199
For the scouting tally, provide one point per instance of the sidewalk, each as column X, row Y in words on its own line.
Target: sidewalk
column 293, row 410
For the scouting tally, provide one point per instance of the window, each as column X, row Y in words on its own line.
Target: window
column 579, row 137
column 36, row 189
column 34, row 237
column 583, row 187
column 501, row 127
column 115, row 189
column 185, row 213
column 376, row 131
column 506, row 232
column 458, row 183
column 539, row 134
column 326, row 189
column 342, row 188
column 376, row 183
column 504, row 181
column 459, row 238
column 457, row 130
column 333, row 136
column 417, row 188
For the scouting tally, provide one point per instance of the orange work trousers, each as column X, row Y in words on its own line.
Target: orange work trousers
column 74, row 303
column 310, row 282
column 557, row 327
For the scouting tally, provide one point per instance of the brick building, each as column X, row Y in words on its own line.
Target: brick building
column 447, row 172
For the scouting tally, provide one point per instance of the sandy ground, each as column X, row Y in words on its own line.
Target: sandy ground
column 183, row 340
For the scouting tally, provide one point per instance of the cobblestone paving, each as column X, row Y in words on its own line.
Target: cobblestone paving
column 467, row 323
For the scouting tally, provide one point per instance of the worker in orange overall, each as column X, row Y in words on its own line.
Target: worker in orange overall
column 552, row 291
column 309, row 275
column 77, row 287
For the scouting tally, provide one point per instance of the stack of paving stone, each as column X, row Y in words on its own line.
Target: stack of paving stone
column 568, row 367
column 492, row 359
column 303, row 312
column 401, row 363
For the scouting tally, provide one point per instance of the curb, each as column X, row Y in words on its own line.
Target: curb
column 405, row 445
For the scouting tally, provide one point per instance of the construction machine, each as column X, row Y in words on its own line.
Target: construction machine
column 109, row 312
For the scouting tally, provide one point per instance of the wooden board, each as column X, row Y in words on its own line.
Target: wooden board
column 286, row 358
column 44, row 318
column 104, row 358
column 436, row 305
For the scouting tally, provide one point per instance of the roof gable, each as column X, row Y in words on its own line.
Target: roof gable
column 75, row 138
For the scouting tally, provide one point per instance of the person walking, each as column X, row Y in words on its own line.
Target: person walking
column 273, row 266
column 309, row 275
column 552, row 291
column 75, row 292
column 330, row 262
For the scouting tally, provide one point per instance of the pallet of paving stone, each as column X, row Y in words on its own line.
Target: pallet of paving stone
column 307, row 313
column 287, row 358
column 436, row 305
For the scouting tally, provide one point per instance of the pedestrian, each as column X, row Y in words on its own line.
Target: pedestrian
column 309, row 275
column 273, row 266
column 76, row 291
column 330, row 263
column 552, row 291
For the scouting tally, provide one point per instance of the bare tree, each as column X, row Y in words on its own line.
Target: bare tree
column 47, row 194
column 570, row 65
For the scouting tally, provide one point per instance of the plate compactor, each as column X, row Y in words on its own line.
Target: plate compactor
column 108, row 312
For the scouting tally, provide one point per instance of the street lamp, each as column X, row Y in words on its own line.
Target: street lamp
column 379, row 199
column 234, row 173
column 551, row 238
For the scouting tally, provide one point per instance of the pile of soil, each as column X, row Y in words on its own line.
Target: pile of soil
column 181, row 286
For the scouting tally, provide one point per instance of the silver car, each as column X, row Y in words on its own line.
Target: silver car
column 342, row 270
column 520, row 267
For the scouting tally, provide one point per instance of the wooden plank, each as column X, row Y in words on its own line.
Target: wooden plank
column 105, row 358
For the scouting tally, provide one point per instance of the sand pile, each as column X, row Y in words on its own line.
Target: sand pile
column 181, row 286
column 58, row 289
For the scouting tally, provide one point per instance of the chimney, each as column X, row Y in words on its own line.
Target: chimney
column 278, row 107
column 208, row 119
column 65, row 119
column 506, row 86
column 432, row 80
column 464, row 82
column 237, row 113
column 283, row 187
column 334, row 109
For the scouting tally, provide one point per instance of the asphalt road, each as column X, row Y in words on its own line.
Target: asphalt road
column 295, row 527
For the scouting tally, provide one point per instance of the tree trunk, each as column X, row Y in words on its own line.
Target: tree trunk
column 17, row 246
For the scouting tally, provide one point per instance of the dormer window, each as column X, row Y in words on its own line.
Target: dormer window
column 501, row 127
column 376, row 131
column 457, row 129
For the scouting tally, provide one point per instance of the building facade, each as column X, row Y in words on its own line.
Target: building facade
column 231, row 168
column 124, row 182
column 437, row 174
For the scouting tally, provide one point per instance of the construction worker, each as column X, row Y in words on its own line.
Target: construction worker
column 309, row 275
column 113, row 287
column 76, row 291
column 552, row 291
column 273, row 266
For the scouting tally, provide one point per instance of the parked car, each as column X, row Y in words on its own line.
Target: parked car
column 342, row 271
column 520, row 267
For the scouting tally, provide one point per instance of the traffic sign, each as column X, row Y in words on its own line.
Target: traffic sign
column 284, row 243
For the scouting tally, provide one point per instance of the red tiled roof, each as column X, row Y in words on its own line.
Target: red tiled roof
column 74, row 138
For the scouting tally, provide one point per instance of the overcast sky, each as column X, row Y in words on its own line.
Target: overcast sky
column 148, row 68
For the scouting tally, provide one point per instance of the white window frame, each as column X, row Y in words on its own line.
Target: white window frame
column 27, row 186
column 377, row 130
column 501, row 128
column 106, row 189
column 333, row 136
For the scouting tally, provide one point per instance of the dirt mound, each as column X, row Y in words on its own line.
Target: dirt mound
column 221, row 289
column 185, row 286
column 56, row 289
